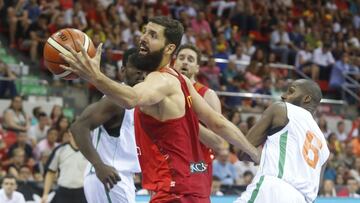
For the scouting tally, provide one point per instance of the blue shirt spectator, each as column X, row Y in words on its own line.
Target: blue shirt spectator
column 223, row 169
column 340, row 68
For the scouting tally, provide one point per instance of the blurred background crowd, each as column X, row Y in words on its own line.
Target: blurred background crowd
column 248, row 46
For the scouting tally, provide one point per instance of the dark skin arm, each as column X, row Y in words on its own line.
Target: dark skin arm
column 96, row 114
column 274, row 116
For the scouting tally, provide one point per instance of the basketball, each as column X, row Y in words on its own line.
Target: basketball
column 57, row 43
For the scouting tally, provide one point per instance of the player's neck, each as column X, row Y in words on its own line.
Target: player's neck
column 192, row 79
column 165, row 62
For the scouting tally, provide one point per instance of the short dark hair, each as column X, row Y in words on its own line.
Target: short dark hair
column 173, row 29
column 8, row 176
column 340, row 123
column 192, row 47
column 127, row 54
column 36, row 111
column 51, row 129
column 246, row 173
column 42, row 114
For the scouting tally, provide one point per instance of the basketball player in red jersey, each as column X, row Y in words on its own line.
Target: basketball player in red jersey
column 187, row 62
column 166, row 116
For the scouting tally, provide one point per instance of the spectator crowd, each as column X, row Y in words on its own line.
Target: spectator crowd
column 242, row 44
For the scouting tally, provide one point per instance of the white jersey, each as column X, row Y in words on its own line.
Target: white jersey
column 118, row 152
column 296, row 153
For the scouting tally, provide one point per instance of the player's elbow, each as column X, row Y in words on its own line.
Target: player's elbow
column 217, row 123
column 131, row 102
column 76, row 129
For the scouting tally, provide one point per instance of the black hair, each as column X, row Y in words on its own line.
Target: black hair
column 42, row 114
column 8, row 176
column 173, row 29
column 127, row 54
column 192, row 47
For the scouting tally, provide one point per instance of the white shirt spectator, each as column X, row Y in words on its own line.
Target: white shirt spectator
column 16, row 197
column 241, row 62
column 249, row 50
column 304, row 55
column 105, row 3
column 36, row 133
column 321, row 58
column 127, row 35
column 354, row 42
column 341, row 136
column 188, row 39
column 331, row 6
column 276, row 37
column 336, row 27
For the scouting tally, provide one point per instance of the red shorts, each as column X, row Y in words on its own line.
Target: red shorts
column 164, row 197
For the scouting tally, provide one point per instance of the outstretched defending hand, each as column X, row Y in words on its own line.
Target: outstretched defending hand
column 82, row 64
column 107, row 175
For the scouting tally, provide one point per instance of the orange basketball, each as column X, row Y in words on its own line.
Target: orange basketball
column 57, row 44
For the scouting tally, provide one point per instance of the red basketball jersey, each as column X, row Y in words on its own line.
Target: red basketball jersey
column 208, row 153
column 170, row 154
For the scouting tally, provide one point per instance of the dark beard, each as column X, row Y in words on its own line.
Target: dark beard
column 149, row 62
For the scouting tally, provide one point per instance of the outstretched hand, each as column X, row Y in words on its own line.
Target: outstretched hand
column 82, row 64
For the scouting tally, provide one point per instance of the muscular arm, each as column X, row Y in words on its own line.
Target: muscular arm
column 222, row 127
column 274, row 116
column 208, row 137
column 155, row 88
column 93, row 116
column 213, row 100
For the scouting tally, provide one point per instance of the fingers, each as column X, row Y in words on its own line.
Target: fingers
column 99, row 51
column 111, row 180
column 82, row 50
column 109, row 184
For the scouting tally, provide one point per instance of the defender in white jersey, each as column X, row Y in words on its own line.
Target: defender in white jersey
column 112, row 153
column 295, row 152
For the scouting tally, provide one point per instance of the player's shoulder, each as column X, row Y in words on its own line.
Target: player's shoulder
column 276, row 107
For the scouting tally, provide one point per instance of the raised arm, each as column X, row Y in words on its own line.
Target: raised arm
column 93, row 116
column 222, row 127
column 154, row 88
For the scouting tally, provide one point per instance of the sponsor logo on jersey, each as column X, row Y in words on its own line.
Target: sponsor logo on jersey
column 198, row 167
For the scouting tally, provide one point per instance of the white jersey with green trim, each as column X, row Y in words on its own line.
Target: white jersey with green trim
column 119, row 152
column 296, row 153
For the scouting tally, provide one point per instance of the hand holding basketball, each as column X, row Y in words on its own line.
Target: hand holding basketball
column 82, row 64
column 60, row 42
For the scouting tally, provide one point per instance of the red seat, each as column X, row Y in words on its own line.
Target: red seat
column 117, row 55
column 324, row 85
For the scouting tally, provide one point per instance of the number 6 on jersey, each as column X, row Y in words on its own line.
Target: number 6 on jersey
column 308, row 146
